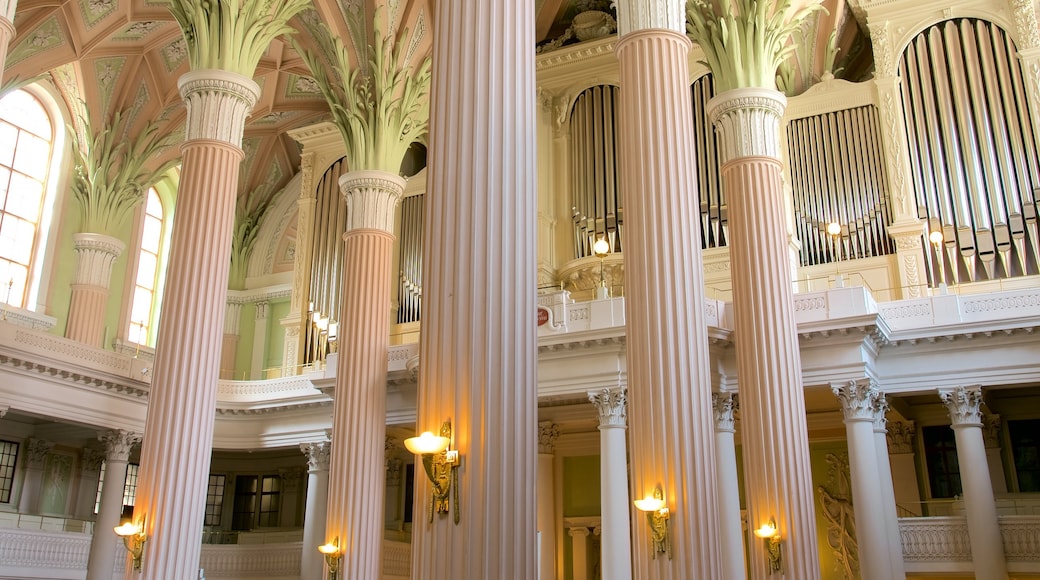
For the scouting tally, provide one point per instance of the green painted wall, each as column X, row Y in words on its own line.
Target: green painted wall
column 275, row 334
column 244, row 354
column 581, row 497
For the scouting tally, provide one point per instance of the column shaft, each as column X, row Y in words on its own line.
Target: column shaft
column 312, row 562
column 766, row 337
column 178, row 438
column 867, row 501
column 100, row 563
column 616, row 552
column 478, row 347
column 358, row 461
column 579, row 553
column 95, row 254
column 730, row 524
column 669, row 411
column 547, row 435
column 888, row 502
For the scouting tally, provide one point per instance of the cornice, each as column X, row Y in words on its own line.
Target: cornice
column 259, row 294
column 75, row 376
column 575, row 53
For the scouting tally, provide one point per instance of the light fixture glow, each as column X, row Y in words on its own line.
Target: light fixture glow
column 134, row 539
column 649, row 504
column 936, row 237
column 426, row 444
column 332, row 555
column 770, row 534
column 768, row 530
column 657, row 515
column 601, row 248
column 834, row 228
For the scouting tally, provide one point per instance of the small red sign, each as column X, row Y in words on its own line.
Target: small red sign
column 543, row 316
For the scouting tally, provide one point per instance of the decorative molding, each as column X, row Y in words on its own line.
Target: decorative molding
column 857, row 399
column 963, row 404
column 747, row 122
column 96, row 253
column 317, row 455
column 724, row 406
column 27, row 318
column 881, row 42
column 269, row 293
column 36, row 451
column 935, row 539
column 1001, row 303
column 900, row 436
column 1026, row 24
column 836, row 508
column 218, row 103
column 56, row 345
column 118, row 444
column 880, row 408
column 371, row 197
column 90, row 459
column 611, row 405
column 548, row 433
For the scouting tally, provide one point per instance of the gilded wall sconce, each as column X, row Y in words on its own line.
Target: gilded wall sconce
column 771, row 536
column 441, row 465
column 133, row 538
column 332, row 554
column 657, row 515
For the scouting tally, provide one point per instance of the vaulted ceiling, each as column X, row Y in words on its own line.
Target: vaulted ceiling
column 126, row 55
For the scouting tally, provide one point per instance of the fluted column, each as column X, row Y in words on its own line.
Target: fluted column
column 548, row 432
column 615, row 509
column 95, row 254
column 178, row 437
column 7, row 10
column 724, row 405
column 900, row 436
column 987, row 548
column 478, row 346
column 857, row 403
column 766, row 336
column 669, row 414
column 312, row 563
column 36, row 451
column 887, row 489
column 118, row 445
column 579, row 553
column 355, row 514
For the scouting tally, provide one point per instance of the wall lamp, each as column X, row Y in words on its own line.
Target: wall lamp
column 657, row 515
column 601, row 249
column 441, row 465
column 771, row 536
column 133, row 538
column 332, row 555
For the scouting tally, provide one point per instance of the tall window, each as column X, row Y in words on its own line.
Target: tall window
column 1025, row 450
column 940, row 451
column 215, row 500
column 129, row 488
column 257, row 501
column 26, row 139
column 145, row 289
column 8, row 455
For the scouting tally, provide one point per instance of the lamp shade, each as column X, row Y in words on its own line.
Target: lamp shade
column 427, row 443
column 649, row 504
column 936, row 237
column 834, row 228
column 127, row 529
column 329, row 549
column 601, row 248
column 768, row 530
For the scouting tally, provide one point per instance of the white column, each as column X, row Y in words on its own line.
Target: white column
column 669, row 398
column 731, row 530
column 857, row 401
column 579, row 553
column 885, row 485
column 478, row 346
column 904, row 469
column 987, row 548
column 991, row 436
column 118, row 445
column 615, row 508
column 312, row 563
column 548, row 432
column 256, row 365
column 36, row 451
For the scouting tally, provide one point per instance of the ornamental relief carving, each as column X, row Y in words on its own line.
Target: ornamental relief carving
column 836, row 508
column 1025, row 24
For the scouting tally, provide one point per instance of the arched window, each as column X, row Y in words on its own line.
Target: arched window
column 144, row 311
column 26, row 146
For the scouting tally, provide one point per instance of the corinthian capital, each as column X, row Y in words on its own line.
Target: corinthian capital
column 611, row 404
column 963, row 403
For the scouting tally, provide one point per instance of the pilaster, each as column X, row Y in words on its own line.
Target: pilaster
column 355, row 514
column 548, row 433
column 893, row 126
column 229, row 346
column 724, row 407
column 900, row 438
column 256, row 365
column 95, row 254
column 857, row 400
column 669, row 409
column 991, row 428
column 178, row 438
column 615, row 508
column 987, row 547
column 36, row 451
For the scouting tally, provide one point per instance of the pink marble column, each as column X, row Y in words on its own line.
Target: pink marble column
column 229, row 345
column 478, row 346
column 7, row 10
column 118, row 445
column 669, row 385
column 178, row 437
column 95, row 254
column 777, row 477
column 357, row 460
column 987, row 547
column 312, row 563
